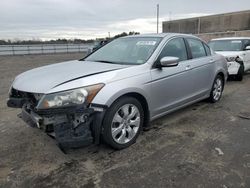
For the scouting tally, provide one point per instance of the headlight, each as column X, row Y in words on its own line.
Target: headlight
column 238, row 59
column 70, row 97
column 230, row 59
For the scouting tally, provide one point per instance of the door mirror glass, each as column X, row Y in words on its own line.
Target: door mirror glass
column 247, row 48
column 169, row 61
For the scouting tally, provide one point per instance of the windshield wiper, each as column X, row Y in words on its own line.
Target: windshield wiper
column 112, row 62
column 104, row 61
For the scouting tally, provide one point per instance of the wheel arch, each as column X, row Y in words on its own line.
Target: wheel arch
column 142, row 99
column 223, row 75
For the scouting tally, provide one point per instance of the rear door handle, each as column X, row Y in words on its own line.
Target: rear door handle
column 188, row 67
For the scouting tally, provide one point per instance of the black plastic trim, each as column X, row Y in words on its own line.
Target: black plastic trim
column 189, row 53
column 16, row 102
column 99, row 105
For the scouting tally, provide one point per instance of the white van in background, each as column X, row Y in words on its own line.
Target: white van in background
column 237, row 52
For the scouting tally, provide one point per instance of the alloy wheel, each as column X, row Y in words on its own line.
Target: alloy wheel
column 125, row 124
column 217, row 89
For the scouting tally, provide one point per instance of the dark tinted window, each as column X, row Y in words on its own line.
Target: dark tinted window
column 208, row 51
column 246, row 43
column 197, row 48
column 175, row 48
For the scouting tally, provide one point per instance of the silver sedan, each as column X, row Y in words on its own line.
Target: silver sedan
column 118, row 89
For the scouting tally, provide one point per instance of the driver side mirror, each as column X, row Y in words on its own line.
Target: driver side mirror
column 247, row 48
column 169, row 61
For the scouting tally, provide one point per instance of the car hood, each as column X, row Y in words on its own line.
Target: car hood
column 229, row 53
column 42, row 79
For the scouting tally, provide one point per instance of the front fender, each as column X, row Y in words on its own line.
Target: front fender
column 114, row 90
column 221, row 66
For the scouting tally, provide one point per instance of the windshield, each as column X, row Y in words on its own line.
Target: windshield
column 226, row 45
column 131, row 50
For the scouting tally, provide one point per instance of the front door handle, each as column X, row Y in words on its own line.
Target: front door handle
column 211, row 61
column 188, row 67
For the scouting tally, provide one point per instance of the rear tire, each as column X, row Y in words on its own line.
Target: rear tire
column 239, row 76
column 123, row 123
column 217, row 89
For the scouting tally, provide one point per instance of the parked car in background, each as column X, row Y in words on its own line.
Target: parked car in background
column 237, row 52
column 119, row 88
column 98, row 44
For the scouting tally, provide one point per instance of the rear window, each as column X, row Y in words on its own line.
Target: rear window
column 197, row 48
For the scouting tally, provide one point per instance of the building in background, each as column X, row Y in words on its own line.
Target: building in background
column 214, row 26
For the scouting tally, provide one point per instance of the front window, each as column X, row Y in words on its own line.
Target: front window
column 226, row 45
column 130, row 50
column 175, row 48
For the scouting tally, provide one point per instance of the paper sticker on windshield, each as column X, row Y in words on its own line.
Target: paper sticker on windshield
column 147, row 43
column 236, row 41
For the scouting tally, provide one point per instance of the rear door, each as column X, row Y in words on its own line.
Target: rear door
column 171, row 86
column 202, row 65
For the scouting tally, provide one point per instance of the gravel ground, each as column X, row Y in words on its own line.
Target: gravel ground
column 203, row 145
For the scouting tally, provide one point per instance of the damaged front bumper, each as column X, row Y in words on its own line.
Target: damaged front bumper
column 233, row 67
column 72, row 127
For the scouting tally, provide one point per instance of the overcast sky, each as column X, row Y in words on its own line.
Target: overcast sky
column 85, row 19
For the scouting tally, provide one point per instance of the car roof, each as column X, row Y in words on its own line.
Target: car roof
column 162, row 35
column 231, row 38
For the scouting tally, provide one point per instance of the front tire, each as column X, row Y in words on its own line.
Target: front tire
column 217, row 89
column 123, row 122
column 239, row 76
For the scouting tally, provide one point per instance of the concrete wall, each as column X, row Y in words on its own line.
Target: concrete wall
column 181, row 26
column 230, row 24
column 208, row 36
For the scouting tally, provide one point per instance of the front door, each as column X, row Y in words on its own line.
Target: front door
column 171, row 86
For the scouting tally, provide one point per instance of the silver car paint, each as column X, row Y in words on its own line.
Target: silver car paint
column 165, row 89
column 43, row 79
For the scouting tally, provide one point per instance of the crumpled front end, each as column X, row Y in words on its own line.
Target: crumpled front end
column 234, row 64
column 233, row 67
column 72, row 127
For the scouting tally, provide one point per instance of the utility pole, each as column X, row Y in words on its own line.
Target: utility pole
column 157, row 18
column 109, row 34
column 169, row 25
column 199, row 25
